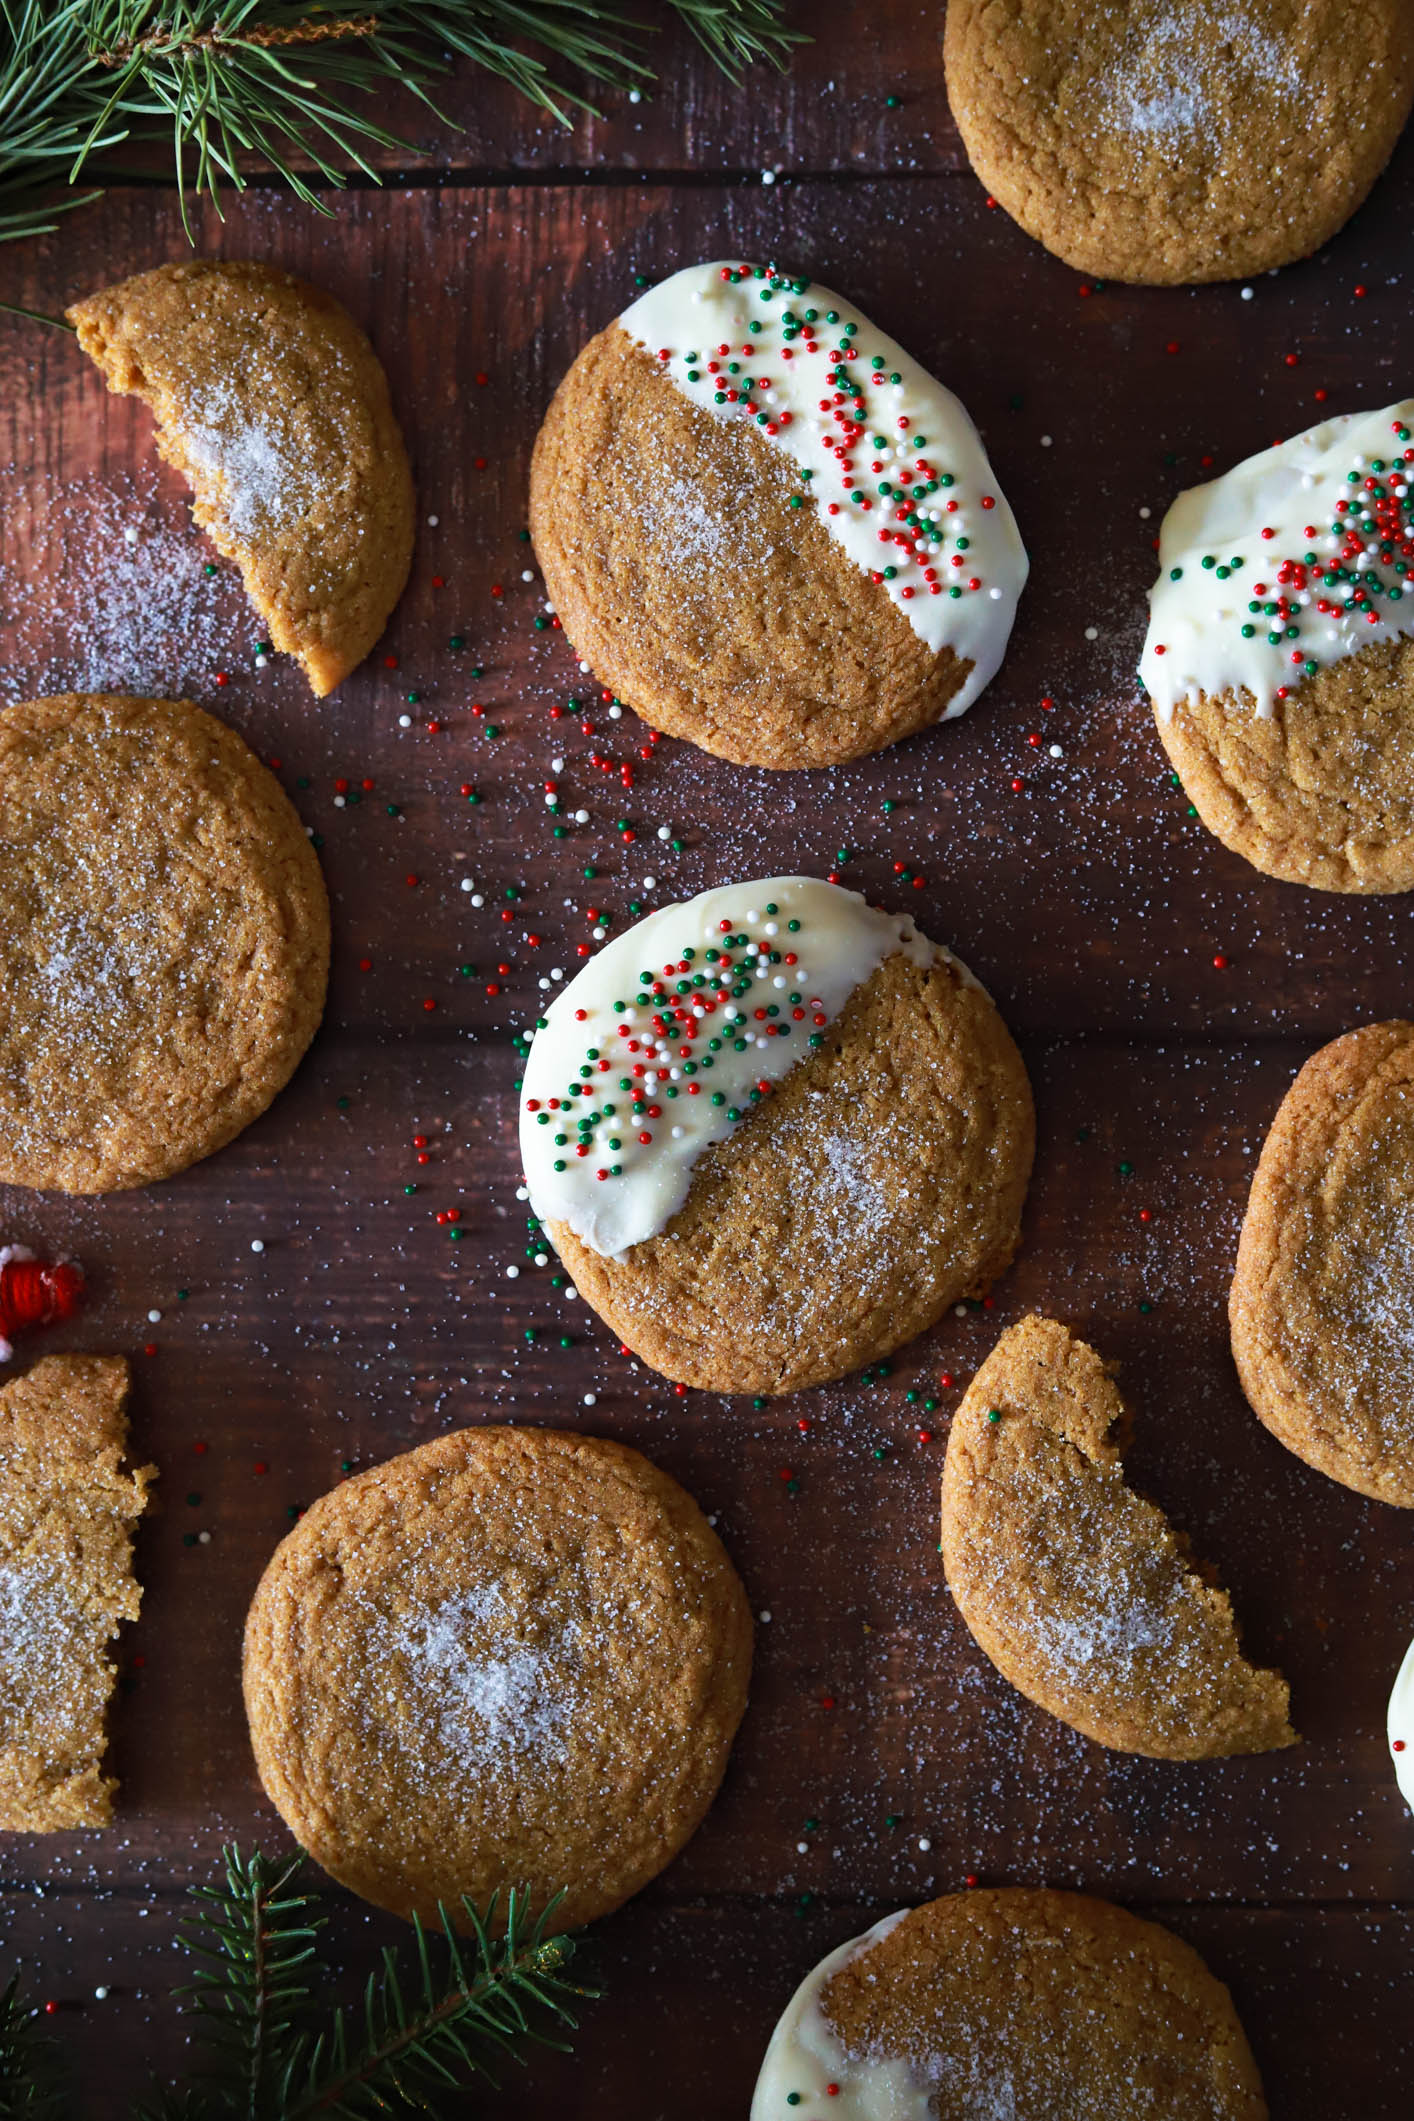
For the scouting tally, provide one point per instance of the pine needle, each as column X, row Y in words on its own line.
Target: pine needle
column 273, row 79
column 32, row 2082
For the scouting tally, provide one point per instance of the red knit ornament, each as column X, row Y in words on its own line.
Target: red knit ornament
column 34, row 1292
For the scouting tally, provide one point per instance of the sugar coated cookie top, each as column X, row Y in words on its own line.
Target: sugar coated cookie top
column 895, row 465
column 1294, row 559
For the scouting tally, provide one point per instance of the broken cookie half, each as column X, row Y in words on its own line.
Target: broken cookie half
column 67, row 1512
column 274, row 407
column 1077, row 1588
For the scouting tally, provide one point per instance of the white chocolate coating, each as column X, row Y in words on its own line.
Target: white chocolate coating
column 959, row 567
column 696, row 1072
column 1265, row 531
column 1401, row 1727
column 805, row 2057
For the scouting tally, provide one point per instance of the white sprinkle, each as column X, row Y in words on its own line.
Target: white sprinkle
column 522, row 1192
column 802, row 1848
column 768, row 176
column 257, row 1244
column 1055, row 751
column 101, row 1994
column 591, row 1399
column 665, row 832
column 477, row 899
column 1144, row 514
column 512, row 1273
column 262, row 662
column 404, row 721
column 635, row 95
column 203, row 1539
column 1092, row 633
column 924, row 1844
column 1045, row 441
column 650, row 883
column 154, row 1318
column 468, row 883
column 433, row 521
column 581, row 817
column 1247, row 294
column 765, row 1617
column 616, row 714
column 527, row 574
column 129, row 538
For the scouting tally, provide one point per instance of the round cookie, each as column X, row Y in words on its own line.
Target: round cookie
column 1042, row 2006
column 273, row 405
column 1077, row 1588
column 766, row 528
column 773, row 1133
column 1279, row 656
column 1165, row 144
column 514, row 1657
column 1322, row 1302
column 164, row 940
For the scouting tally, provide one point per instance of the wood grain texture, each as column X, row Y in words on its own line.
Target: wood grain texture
column 1088, row 900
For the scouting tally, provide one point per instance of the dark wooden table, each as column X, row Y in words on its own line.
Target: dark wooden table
column 1163, row 994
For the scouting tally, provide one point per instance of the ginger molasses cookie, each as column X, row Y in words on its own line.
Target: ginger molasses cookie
column 1165, row 141
column 1322, row 1302
column 274, row 407
column 773, row 1133
column 1036, row 2005
column 164, row 940
column 1280, row 653
column 767, row 528
column 67, row 1512
column 513, row 1657
column 1076, row 1587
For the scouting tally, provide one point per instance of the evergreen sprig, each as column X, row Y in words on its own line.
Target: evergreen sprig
column 270, row 2050
column 32, row 2085
column 271, row 80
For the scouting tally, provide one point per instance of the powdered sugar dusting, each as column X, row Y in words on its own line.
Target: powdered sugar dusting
column 238, row 439
column 41, row 1640
column 105, row 588
column 1161, row 89
column 496, row 1686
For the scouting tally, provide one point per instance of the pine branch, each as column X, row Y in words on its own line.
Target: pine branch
column 227, row 79
column 251, row 1941
column 492, row 1997
column 32, row 2084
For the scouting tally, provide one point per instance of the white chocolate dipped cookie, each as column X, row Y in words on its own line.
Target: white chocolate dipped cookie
column 767, row 527
column 1280, row 653
column 1041, row 2006
column 773, row 1133
column 1401, row 1727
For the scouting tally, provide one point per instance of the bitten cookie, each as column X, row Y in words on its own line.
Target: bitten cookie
column 767, row 528
column 773, row 1133
column 66, row 1521
column 274, row 407
column 1322, row 1302
column 1078, row 1589
column 513, row 1657
column 1159, row 143
column 1039, row 2006
column 1279, row 656
column 164, row 940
